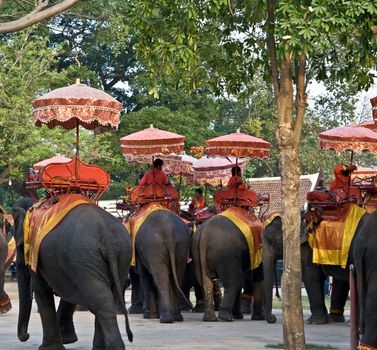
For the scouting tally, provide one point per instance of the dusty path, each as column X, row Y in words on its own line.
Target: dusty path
column 189, row 335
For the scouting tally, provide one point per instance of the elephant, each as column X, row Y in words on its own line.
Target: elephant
column 84, row 260
column 5, row 303
column 314, row 275
column 162, row 246
column 220, row 251
column 365, row 263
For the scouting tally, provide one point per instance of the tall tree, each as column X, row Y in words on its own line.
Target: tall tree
column 224, row 42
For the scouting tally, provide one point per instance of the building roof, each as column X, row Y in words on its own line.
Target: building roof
column 272, row 186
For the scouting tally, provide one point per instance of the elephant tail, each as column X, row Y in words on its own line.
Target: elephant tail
column 171, row 250
column 115, row 273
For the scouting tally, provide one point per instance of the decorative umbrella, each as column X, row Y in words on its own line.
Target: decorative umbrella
column 373, row 102
column 363, row 173
column 175, row 164
column 56, row 160
column 77, row 105
column 152, row 142
column 238, row 145
column 214, row 171
column 369, row 124
column 349, row 138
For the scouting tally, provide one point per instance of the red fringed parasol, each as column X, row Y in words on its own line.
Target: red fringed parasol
column 349, row 138
column 75, row 105
column 238, row 145
column 369, row 124
column 373, row 102
column 215, row 171
column 152, row 142
column 56, row 160
column 175, row 164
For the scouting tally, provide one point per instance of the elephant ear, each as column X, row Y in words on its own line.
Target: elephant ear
column 18, row 227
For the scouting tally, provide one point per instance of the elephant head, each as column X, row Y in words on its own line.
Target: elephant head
column 23, row 273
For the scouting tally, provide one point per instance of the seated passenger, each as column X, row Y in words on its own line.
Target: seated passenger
column 342, row 179
column 236, row 180
column 155, row 175
column 339, row 187
column 198, row 202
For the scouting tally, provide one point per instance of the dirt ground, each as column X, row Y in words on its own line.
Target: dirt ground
column 189, row 335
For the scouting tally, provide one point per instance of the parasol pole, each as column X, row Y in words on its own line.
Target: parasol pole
column 77, row 149
column 351, row 160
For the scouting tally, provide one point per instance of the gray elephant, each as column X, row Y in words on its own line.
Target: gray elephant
column 220, row 251
column 5, row 303
column 85, row 260
column 162, row 249
column 365, row 262
column 314, row 275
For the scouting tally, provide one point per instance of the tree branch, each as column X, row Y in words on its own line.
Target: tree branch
column 300, row 98
column 39, row 14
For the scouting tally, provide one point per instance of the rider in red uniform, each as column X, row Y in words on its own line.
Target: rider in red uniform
column 198, row 202
column 236, row 179
column 155, row 175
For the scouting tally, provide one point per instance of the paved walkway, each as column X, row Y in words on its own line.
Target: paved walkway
column 190, row 335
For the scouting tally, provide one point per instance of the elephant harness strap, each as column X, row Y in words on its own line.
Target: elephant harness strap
column 251, row 227
column 42, row 218
column 136, row 220
column 331, row 239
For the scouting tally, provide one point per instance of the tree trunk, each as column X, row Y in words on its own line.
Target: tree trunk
column 288, row 143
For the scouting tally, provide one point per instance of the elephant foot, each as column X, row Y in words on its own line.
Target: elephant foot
column 209, row 316
column 68, row 333
column 271, row 319
column 199, row 307
column 135, row 309
column 225, row 316
column 5, row 305
column 51, row 347
column 238, row 315
column 150, row 315
column 336, row 318
column 178, row 317
column 257, row 317
column 317, row 320
column 166, row 318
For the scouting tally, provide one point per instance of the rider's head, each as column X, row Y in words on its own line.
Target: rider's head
column 198, row 193
column 158, row 163
column 236, row 171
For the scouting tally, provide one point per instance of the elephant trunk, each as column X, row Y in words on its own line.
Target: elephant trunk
column 25, row 297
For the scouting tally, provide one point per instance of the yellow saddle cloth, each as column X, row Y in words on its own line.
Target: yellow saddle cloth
column 41, row 219
column 331, row 240
column 267, row 219
column 251, row 228
column 134, row 223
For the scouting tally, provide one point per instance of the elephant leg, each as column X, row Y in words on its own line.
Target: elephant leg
column 99, row 338
column 370, row 304
column 44, row 296
column 257, row 283
column 102, row 305
column 136, row 294
column 232, row 282
column 314, row 280
column 247, row 294
column 65, row 319
column 237, row 313
column 150, row 309
column 209, row 303
column 161, row 278
column 339, row 295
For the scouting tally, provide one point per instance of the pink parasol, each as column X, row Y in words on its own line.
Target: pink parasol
column 152, row 142
column 349, row 138
column 75, row 105
column 369, row 124
column 56, row 160
column 215, row 171
column 238, row 145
